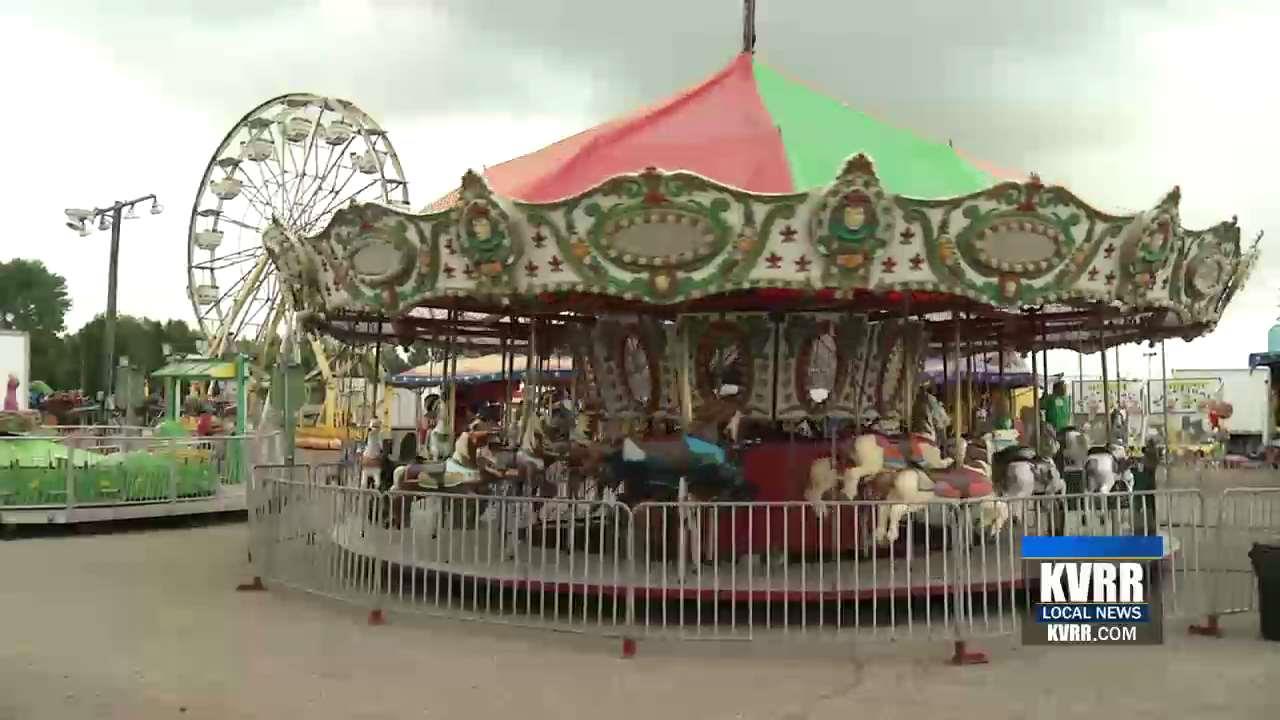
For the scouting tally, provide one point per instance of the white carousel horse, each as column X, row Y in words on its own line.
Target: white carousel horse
column 1104, row 470
column 371, row 457
column 912, row 489
column 1024, row 478
column 872, row 453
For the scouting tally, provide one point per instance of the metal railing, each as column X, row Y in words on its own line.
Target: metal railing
column 84, row 469
column 1242, row 516
column 728, row 570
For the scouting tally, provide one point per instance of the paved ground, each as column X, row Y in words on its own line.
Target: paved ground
column 144, row 624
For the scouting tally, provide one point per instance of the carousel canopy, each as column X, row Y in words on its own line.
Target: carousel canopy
column 751, row 193
column 747, row 126
column 476, row 370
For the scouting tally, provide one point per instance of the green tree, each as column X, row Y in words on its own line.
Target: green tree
column 35, row 301
column 139, row 339
column 32, row 298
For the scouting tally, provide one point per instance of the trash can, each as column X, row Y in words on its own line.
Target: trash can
column 1266, row 567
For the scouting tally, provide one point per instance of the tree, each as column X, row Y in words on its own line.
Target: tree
column 139, row 339
column 32, row 298
column 35, row 301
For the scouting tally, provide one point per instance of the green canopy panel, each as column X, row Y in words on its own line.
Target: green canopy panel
column 197, row 369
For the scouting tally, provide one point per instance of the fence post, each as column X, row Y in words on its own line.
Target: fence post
column 71, row 473
column 257, row 553
column 961, row 571
column 380, row 546
column 1211, row 628
column 629, row 620
column 173, row 470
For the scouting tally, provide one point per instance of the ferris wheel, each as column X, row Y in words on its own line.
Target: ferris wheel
column 295, row 160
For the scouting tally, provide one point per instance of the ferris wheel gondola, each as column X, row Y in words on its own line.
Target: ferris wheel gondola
column 293, row 160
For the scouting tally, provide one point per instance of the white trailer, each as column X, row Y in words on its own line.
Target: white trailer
column 1249, row 393
column 402, row 414
column 15, row 359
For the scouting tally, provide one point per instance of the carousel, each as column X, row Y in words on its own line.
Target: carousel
column 749, row 278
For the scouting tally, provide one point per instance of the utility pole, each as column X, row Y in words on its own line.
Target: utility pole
column 109, row 218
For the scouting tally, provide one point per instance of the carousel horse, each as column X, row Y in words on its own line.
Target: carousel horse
column 914, row 488
column 651, row 468
column 1106, row 471
column 871, row 453
column 545, row 441
column 371, row 457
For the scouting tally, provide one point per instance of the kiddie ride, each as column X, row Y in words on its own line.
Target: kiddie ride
column 738, row 297
column 52, row 475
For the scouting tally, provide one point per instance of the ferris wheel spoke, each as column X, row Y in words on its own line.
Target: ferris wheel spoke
column 256, row 196
column 332, row 163
column 308, row 219
column 311, row 143
column 248, row 285
column 222, row 262
column 335, row 204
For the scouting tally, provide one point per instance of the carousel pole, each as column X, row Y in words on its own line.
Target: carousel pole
column 1079, row 391
column 1000, row 360
column 508, row 369
column 946, row 378
column 909, row 390
column 1106, row 388
column 955, row 423
column 450, row 376
column 1164, row 392
column 1035, row 393
column 530, row 376
column 968, row 386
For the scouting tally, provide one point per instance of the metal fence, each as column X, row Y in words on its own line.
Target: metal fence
column 91, row 467
column 730, row 570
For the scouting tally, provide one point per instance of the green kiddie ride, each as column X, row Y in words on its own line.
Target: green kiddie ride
column 169, row 464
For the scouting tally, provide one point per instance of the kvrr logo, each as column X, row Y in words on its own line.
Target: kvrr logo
column 1091, row 582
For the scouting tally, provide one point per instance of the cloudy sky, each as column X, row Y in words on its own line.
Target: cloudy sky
column 1118, row 99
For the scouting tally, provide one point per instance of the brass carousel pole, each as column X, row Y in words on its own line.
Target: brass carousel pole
column 1164, row 390
column 955, row 422
column 1035, row 390
column 1106, row 389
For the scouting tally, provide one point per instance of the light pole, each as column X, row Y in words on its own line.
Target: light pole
column 109, row 218
column 1146, row 391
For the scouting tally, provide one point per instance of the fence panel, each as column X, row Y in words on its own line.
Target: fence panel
column 743, row 570
column 996, row 602
column 549, row 562
column 1245, row 515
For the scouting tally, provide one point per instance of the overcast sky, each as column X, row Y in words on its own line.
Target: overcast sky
column 1118, row 99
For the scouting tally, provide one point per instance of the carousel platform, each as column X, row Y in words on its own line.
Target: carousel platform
column 226, row 498
column 590, row 559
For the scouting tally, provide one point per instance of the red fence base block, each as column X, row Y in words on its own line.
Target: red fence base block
column 1209, row 629
column 965, row 656
column 628, row 648
column 253, row 586
column 376, row 618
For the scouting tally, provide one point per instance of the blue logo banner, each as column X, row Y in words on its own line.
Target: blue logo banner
column 1104, row 547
